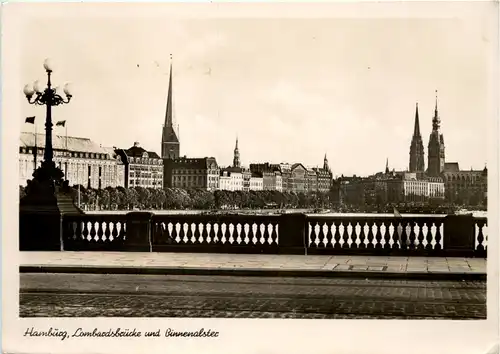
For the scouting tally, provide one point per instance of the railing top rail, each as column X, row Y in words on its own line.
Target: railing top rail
column 209, row 217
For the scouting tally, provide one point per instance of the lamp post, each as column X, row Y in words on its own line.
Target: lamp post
column 48, row 97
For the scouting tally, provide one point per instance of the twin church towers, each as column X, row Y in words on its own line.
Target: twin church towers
column 435, row 157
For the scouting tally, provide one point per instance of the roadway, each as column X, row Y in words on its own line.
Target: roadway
column 127, row 295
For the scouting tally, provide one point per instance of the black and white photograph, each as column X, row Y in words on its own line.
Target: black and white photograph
column 246, row 164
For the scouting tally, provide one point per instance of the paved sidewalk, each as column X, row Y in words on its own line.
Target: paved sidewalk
column 252, row 265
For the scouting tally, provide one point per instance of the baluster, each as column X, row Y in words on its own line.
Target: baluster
column 387, row 236
column 107, row 232
column 370, row 237
column 204, row 233
column 258, row 233
column 85, row 231
column 174, row 235
column 182, row 234
column 244, row 234
column 420, row 237
column 274, row 234
column 250, row 233
column 337, row 234
column 189, row 233
column 345, row 234
column 362, row 236
column 212, row 233
column 265, row 236
column 219, row 233
column 114, row 231
column 412, row 234
column 123, row 231
column 395, row 234
column 237, row 233
column 197, row 233
column 329, row 235
column 321, row 234
column 93, row 232
column 429, row 237
column 378, row 236
column 480, row 237
column 438, row 236
column 100, row 232
column 225, row 233
column 404, row 237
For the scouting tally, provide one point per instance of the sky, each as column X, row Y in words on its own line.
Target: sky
column 291, row 89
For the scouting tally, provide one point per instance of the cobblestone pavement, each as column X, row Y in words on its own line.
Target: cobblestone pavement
column 93, row 295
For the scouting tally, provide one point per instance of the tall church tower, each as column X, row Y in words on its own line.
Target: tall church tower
column 417, row 159
column 326, row 166
column 170, row 145
column 436, row 146
column 236, row 158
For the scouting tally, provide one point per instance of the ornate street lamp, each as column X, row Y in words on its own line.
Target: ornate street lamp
column 48, row 97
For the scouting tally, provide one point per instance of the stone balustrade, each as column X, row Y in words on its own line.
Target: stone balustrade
column 277, row 234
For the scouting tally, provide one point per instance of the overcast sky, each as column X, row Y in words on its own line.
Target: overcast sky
column 290, row 89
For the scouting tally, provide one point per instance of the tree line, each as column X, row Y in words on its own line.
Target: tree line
column 120, row 198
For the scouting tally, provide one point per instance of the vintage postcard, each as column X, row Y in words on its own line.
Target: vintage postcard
column 250, row 178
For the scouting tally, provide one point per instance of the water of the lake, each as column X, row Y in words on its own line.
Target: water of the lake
column 475, row 213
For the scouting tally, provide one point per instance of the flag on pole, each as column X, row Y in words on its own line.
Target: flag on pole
column 30, row 120
column 61, row 123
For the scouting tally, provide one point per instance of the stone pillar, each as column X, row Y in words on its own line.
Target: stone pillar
column 459, row 237
column 138, row 236
column 293, row 233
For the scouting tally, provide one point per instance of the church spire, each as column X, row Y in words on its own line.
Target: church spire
column 417, row 163
column 416, row 129
column 436, row 154
column 387, row 165
column 236, row 158
column 170, row 146
column 436, row 121
column 169, row 111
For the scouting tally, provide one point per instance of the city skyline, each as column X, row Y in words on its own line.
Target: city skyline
column 314, row 93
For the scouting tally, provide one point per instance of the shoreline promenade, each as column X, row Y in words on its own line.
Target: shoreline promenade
column 430, row 268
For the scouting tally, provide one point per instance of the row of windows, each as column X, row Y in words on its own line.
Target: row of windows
column 146, row 161
column 91, row 155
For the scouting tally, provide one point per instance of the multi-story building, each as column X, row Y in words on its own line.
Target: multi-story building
column 82, row 161
column 409, row 187
column 465, row 187
column 311, row 180
column 231, row 179
column 256, row 183
column 202, row 173
column 142, row 168
column 247, row 174
column 298, row 178
column 324, row 177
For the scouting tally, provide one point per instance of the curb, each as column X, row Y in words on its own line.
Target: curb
column 256, row 272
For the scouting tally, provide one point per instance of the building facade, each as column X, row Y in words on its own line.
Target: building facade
column 256, row 183
column 142, row 168
column 465, row 187
column 231, row 179
column 200, row 173
column 82, row 161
